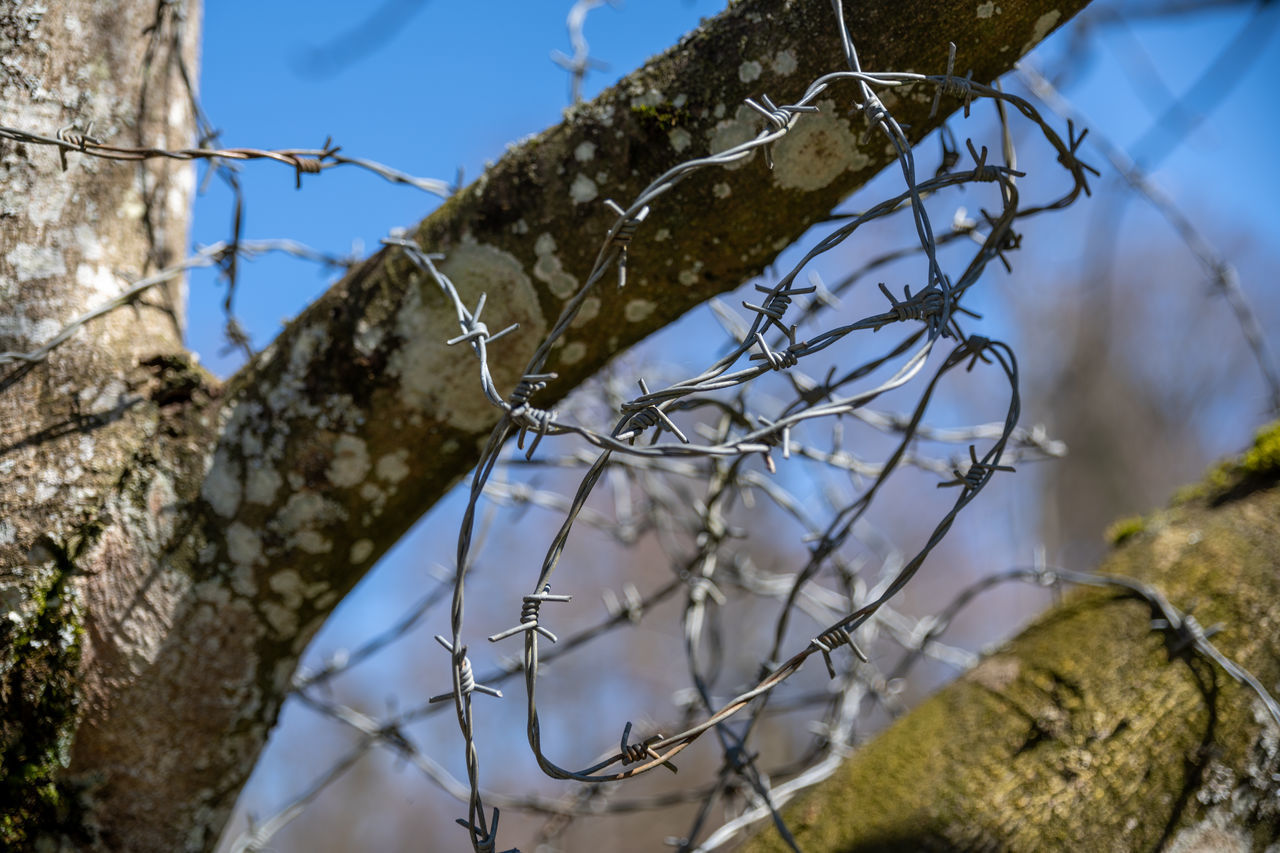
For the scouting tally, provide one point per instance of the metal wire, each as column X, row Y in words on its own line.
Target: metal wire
column 743, row 434
column 731, row 443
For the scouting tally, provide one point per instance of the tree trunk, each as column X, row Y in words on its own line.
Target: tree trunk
column 168, row 545
column 1085, row 732
column 76, row 429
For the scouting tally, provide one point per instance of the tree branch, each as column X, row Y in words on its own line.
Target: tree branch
column 1092, row 729
column 265, row 502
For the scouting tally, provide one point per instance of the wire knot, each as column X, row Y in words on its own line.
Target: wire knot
column 779, row 359
column 75, row 138
column 474, row 329
column 775, row 436
column 464, row 679
column 780, row 117
column 832, row 639
column 483, row 842
column 874, row 111
column 952, row 86
column 529, row 615
column 313, row 165
column 976, row 475
column 776, row 305
column 527, row 416
column 310, row 165
column 926, row 306
column 1184, row 632
column 622, row 233
column 636, row 752
column 645, row 416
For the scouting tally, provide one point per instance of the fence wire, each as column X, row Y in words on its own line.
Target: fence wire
column 680, row 461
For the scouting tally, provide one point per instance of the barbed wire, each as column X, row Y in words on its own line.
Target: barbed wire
column 741, row 434
column 304, row 161
column 581, row 61
column 683, row 460
column 209, row 256
column 1184, row 633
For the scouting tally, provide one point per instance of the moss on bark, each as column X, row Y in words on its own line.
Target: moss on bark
column 1090, row 730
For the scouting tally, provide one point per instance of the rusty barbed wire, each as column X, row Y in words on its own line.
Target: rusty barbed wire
column 309, row 161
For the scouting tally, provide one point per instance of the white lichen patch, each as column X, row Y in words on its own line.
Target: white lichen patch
column 722, row 190
column 350, row 463
column 261, row 486
column 816, row 150
column 638, row 309
column 573, row 352
column 583, row 189
column 302, row 518
column 662, row 234
column 131, row 205
column 32, row 263
column 281, row 620
column 162, row 503
column 368, row 336
column 288, row 394
column 288, row 585
column 689, row 276
column 221, row 487
column 110, row 397
column 214, row 592
column 1044, row 25
column 648, row 98
column 97, row 283
column 584, row 152
column 393, row 466
column 443, row 381
column 728, row 133
column 749, row 71
column 784, row 62
column 360, row 551
column 312, row 541
column 548, row 268
column 986, row 10
column 375, row 499
column 1217, row 832
column 680, row 139
column 244, row 546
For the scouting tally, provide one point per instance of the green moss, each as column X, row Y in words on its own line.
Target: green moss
column 662, row 116
column 1257, row 468
column 1264, row 457
column 38, row 711
column 1125, row 529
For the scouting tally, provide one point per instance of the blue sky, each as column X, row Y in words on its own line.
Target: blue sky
column 453, row 83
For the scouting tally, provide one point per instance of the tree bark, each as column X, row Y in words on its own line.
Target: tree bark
column 1088, row 731
column 170, row 545
column 76, row 428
